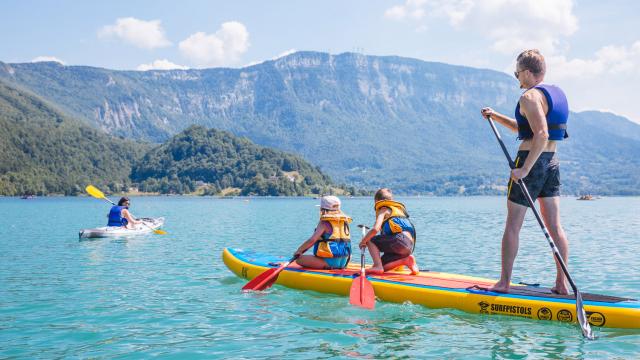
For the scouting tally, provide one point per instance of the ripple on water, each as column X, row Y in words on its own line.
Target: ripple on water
column 171, row 296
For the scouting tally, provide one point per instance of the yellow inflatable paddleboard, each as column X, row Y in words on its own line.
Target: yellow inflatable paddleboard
column 442, row 290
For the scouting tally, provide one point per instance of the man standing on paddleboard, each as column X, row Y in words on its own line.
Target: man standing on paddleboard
column 541, row 121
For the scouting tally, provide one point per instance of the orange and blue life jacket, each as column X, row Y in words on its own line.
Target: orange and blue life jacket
column 337, row 243
column 398, row 221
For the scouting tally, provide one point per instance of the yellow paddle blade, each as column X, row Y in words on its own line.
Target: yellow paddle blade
column 155, row 231
column 93, row 191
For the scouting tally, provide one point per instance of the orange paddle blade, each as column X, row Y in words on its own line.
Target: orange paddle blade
column 361, row 293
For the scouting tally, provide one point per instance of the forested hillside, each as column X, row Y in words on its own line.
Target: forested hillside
column 218, row 162
column 45, row 151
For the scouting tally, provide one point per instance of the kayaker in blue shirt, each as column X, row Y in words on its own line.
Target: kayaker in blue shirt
column 331, row 241
column 541, row 122
column 119, row 215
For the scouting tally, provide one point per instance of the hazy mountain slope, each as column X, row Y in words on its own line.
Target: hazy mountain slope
column 367, row 120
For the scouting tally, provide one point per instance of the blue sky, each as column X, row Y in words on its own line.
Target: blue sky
column 592, row 47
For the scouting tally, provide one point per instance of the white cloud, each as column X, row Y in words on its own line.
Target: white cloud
column 609, row 60
column 161, row 64
column 510, row 25
column 222, row 48
column 454, row 10
column 603, row 80
column 395, row 13
column 140, row 33
column 47, row 58
column 412, row 9
column 503, row 28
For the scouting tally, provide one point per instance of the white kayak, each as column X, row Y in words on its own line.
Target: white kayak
column 149, row 224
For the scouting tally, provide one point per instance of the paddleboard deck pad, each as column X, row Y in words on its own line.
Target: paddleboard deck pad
column 442, row 290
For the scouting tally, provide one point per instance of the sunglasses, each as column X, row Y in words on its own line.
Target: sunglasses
column 517, row 73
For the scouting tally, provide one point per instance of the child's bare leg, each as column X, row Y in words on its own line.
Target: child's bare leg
column 375, row 256
column 409, row 261
column 310, row 261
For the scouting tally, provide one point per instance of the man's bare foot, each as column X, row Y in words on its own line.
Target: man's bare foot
column 500, row 287
column 374, row 270
column 560, row 290
column 561, row 286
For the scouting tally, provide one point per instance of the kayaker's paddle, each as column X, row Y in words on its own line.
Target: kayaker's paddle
column 267, row 278
column 581, row 315
column 361, row 292
column 96, row 193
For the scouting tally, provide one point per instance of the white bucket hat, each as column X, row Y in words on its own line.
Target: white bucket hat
column 330, row 202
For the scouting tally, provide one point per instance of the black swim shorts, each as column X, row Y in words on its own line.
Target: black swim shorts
column 543, row 179
column 394, row 247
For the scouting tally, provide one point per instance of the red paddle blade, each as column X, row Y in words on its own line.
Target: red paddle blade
column 262, row 281
column 361, row 293
column 266, row 279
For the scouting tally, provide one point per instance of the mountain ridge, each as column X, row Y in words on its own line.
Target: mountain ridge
column 45, row 151
column 367, row 121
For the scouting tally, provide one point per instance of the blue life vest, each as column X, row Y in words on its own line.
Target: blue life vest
column 557, row 115
column 396, row 225
column 115, row 216
column 398, row 221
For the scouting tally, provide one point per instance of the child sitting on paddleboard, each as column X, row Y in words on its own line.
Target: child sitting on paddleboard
column 331, row 240
column 396, row 238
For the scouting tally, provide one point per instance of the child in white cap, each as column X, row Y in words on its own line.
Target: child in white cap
column 331, row 240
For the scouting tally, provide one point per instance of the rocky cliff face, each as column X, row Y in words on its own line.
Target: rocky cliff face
column 156, row 104
column 378, row 121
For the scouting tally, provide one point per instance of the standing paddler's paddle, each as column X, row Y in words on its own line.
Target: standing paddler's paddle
column 96, row 193
column 361, row 292
column 267, row 278
column 581, row 315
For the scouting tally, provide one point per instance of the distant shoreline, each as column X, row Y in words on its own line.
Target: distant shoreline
column 138, row 194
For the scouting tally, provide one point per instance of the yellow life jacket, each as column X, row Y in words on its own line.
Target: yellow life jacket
column 397, row 208
column 338, row 243
column 396, row 222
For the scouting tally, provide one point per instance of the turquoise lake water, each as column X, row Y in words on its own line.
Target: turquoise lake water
column 172, row 297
